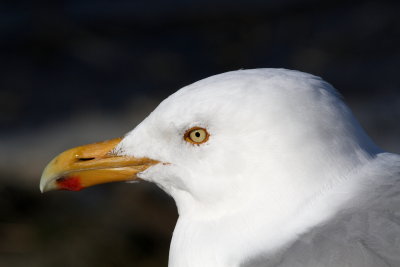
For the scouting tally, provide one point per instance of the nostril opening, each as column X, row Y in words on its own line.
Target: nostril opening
column 85, row 159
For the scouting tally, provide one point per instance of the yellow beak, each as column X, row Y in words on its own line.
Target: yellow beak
column 88, row 165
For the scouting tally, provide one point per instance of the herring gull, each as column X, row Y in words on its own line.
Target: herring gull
column 267, row 167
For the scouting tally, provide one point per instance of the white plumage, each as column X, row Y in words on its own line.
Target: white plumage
column 287, row 178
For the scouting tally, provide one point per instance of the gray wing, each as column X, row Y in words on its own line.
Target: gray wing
column 368, row 235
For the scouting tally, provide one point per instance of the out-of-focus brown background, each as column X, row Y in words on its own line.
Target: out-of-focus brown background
column 79, row 71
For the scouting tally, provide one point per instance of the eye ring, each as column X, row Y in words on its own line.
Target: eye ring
column 196, row 135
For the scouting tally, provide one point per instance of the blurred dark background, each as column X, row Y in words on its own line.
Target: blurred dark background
column 75, row 72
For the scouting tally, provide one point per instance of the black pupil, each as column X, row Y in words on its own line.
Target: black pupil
column 197, row 134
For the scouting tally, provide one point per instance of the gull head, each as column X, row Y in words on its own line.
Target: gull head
column 266, row 139
column 217, row 140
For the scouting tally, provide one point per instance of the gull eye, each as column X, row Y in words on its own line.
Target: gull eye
column 196, row 135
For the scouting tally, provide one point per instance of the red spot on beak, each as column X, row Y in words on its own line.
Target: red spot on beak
column 70, row 183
